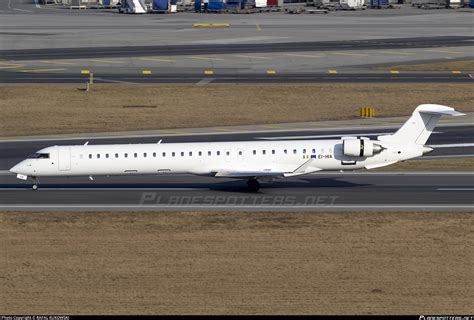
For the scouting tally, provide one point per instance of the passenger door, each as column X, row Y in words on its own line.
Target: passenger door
column 64, row 158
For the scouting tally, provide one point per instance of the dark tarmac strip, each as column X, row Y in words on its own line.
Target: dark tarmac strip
column 12, row 152
column 136, row 51
column 325, row 191
column 10, row 77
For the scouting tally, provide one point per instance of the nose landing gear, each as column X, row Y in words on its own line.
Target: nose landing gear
column 35, row 184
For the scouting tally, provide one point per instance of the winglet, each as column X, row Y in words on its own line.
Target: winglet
column 303, row 169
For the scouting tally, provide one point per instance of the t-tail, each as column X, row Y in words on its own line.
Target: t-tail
column 421, row 124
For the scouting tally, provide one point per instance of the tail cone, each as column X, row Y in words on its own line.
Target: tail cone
column 427, row 150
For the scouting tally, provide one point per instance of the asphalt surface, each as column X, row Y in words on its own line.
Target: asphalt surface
column 404, row 77
column 135, row 51
column 323, row 191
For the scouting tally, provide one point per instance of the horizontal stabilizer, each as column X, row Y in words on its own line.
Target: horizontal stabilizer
column 438, row 109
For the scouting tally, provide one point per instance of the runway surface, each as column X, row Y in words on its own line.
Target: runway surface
column 185, row 192
column 325, row 191
column 135, row 51
column 127, row 78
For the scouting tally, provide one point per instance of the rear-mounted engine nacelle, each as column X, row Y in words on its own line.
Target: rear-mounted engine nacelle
column 360, row 147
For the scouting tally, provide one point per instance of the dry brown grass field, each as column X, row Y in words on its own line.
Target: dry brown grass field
column 50, row 109
column 236, row 263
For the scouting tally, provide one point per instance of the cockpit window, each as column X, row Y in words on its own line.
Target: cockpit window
column 39, row 156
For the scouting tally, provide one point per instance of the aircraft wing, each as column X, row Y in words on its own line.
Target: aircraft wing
column 304, row 168
column 248, row 174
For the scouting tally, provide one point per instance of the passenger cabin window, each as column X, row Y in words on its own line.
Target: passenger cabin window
column 116, row 155
column 273, row 151
column 164, row 154
column 264, row 151
column 173, row 154
column 98, row 156
column 200, row 153
column 218, row 153
column 190, row 154
column 182, row 154
column 314, row 150
column 126, row 155
column 154, row 154
column 144, row 155
column 39, row 156
column 304, row 151
column 285, row 151
column 294, row 151
column 228, row 153
column 135, row 155
column 255, row 152
column 209, row 153
column 240, row 153
column 90, row 156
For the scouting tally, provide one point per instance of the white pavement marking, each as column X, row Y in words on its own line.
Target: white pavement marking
column 190, row 133
column 455, row 189
column 453, row 145
column 320, row 136
column 251, row 56
column 450, row 156
column 115, row 81
column 204, row 81
column 22, row 10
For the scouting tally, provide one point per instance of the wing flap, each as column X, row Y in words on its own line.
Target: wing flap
column 305, row 168
column 247, row 174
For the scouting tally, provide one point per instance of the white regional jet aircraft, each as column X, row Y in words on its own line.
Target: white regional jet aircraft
column 253, row 161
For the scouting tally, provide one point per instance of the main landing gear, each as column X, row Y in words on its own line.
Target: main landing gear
column 35, row 184
column 253, row 185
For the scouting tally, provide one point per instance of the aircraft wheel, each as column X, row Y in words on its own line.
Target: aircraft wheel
column 35, row 183
column 253, row 185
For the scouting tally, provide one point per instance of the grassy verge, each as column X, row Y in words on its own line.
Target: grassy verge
column 462, row 65
column 239, row 263
column 50, row 109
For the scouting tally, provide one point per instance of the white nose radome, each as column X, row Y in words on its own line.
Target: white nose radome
column 20, row 168
column 15, row 169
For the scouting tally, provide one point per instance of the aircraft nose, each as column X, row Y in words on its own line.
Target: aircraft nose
column 14, row 169
column 18, row 168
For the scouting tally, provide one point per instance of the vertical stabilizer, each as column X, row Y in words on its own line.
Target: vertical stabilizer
column 421, row 124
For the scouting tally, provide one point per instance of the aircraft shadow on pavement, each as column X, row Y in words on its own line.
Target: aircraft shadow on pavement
column 222, row 186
